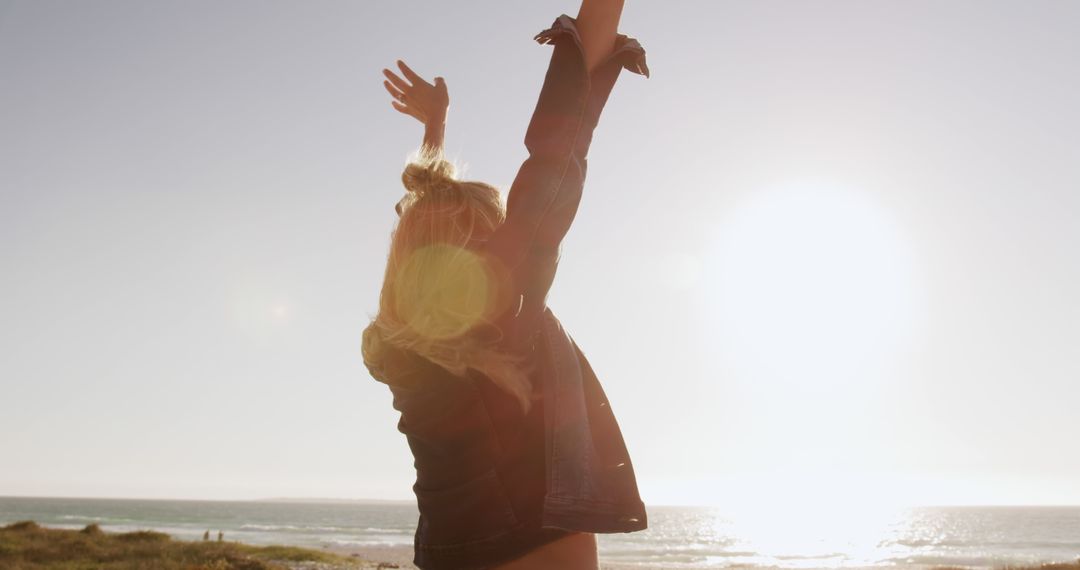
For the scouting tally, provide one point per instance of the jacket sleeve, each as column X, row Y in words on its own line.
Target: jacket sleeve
column 546, row 192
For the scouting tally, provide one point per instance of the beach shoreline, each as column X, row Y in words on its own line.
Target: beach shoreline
column 39, row 547
column 682, row 538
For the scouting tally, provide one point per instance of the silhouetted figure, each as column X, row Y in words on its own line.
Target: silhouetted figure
column 220, row 536
column 488, row 382
column 206, row 535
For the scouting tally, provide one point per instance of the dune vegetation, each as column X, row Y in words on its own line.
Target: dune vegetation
column 25, row 545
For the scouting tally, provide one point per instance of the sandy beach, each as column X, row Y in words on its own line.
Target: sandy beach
column 400, row 556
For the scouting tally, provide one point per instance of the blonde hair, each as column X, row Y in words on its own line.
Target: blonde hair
column 440, row 297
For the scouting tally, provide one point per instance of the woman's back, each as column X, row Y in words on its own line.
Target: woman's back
column 480, row 463
column 493, row 483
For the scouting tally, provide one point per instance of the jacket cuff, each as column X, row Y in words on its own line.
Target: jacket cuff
column 628, row 51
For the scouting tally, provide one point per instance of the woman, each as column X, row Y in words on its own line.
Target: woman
column 519, row 459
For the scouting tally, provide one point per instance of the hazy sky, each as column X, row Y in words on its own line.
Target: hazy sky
column 826, row 252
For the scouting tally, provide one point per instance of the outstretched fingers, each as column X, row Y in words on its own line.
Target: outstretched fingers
column 409, row 73
column 397, row 81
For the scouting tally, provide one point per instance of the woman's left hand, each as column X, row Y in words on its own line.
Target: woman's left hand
column 426, row 102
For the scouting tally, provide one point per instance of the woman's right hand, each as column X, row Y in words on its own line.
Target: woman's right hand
column 426, row 102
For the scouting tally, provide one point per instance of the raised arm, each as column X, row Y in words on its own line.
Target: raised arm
column 598, row 23
column 544, row 197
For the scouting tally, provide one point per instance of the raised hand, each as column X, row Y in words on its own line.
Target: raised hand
column 426, row 102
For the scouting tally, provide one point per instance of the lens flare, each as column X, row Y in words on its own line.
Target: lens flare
column 442, row 291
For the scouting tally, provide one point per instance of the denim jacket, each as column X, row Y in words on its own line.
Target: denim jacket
column 461, row 430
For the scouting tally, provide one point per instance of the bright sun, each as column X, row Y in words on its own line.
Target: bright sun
column 813, row 297
column 812, row 280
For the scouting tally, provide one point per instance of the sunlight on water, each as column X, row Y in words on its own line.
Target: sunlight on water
column 810, row 537
column 848, row 536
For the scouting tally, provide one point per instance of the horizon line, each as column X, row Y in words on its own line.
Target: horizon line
column 340, row 500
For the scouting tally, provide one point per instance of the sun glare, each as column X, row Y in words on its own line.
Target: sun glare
column 814, row 296
column 813, row 279
column 812, row 287
column 811, row 518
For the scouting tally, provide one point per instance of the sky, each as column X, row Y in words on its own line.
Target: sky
column 825, row 253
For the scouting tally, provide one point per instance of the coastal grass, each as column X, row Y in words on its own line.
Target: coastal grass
column 25, row 545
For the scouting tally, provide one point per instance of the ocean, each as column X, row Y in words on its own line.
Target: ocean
column 677, row 537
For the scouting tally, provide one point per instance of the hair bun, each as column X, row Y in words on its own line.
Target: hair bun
column 428, row 173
